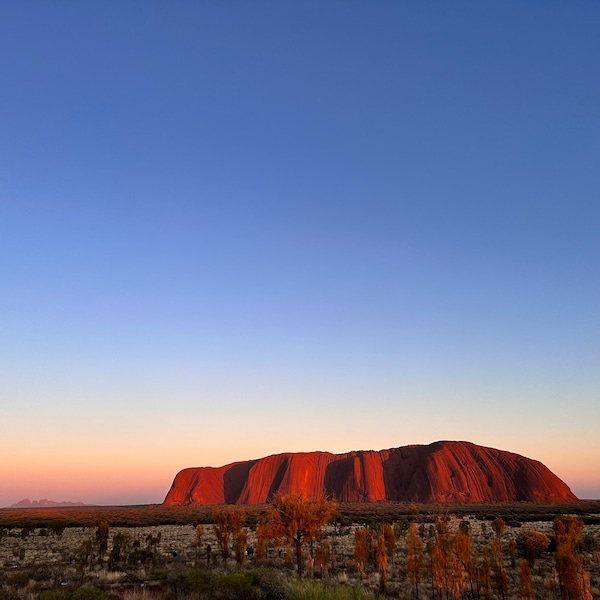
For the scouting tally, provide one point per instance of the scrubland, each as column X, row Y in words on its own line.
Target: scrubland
column 388, row 550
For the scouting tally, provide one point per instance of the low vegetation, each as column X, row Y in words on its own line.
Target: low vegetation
column 296, row 550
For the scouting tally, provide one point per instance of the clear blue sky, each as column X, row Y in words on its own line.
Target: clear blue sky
column 230, row 229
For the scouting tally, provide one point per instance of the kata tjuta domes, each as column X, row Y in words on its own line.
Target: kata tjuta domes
column 438, row 472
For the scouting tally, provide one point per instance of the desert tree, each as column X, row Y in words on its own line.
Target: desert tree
column 228, row 521
column 84, row 557
column 198, row 542
column 500, row 576
column 414, row 557
column 362, row 544
column 295, row 520
column 484, row 530
column 585, row 591
column 512, row 553
column 382, row 562
column 337, row 544
column 568, row 532
column 152, row 542
column 455, row 576
column 373, row 545
column 464, row 527
column 442, row 525
column 324, row 556
column 447, row 573
column 390, row 541
column 119, row 550
column 241, row 538
column 102, row 537
column 498, row 525
column 436, row 548
column 451, row 560
column 525, row 581
column 263, row 538
column 532, row 544
column 463, row 547
column 401, row 527
column 570, row 565
column 483, row 577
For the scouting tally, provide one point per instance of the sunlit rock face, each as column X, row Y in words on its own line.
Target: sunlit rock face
column 439, row 472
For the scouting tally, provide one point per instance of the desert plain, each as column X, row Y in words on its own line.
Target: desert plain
column 162, row 552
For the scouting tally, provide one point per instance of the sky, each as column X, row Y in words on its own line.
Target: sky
column 233, row 229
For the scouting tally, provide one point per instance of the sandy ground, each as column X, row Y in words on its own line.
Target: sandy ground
column 48, row 560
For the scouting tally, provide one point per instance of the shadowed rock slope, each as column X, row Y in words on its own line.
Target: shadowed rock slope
column 438, row 472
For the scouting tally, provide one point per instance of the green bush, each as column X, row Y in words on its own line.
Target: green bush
column 88, row 592
column 272, row 586
column 200, row 582
column 237, row 586
column 247, row 585
column 312, row 590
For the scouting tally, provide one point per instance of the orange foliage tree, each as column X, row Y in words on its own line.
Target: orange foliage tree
column 390, row 541
column 295, row 520
column 569, row 564
column 382, row 562
column 525, row 581
column 500, row 576
column 362, row 544
column 463, row 546
column 498, row 525
column 414, row 556
column 228, row 521
column 532, row 544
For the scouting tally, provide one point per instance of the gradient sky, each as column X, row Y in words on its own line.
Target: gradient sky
column 232, row 229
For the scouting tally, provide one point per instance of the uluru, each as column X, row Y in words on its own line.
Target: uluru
column 444, row 471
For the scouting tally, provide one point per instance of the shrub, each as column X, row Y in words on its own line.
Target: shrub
column 532, row 544
column 237, row 586
column 88, row 592
column 247, row 585
column 271, row 585
column 199, row 581
column 312, row 590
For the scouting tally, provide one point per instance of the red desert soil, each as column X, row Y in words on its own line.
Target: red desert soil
column 439, row 472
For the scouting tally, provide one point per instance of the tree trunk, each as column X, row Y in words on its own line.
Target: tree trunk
column 299, row 557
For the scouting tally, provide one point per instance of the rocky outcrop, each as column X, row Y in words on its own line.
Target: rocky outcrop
column 438, row 472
